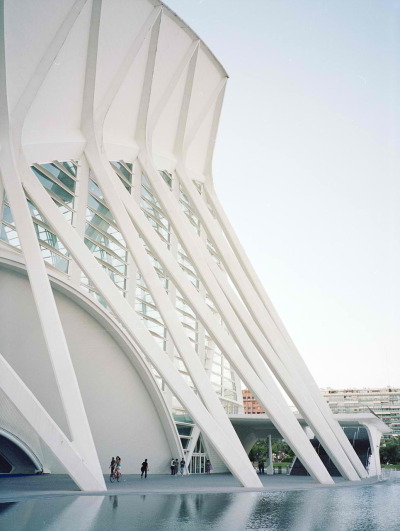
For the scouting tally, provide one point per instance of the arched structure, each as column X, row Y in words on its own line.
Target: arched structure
column 132, row 312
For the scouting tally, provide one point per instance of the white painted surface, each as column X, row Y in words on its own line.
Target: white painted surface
column 120, row 410
column 155, row 93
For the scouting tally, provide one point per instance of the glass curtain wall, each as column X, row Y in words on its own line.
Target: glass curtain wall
column 59, row 179
column 103, row 238
column 199, row 457
column 104, row 241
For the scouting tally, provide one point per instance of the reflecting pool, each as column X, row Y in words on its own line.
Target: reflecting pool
column 369, row 508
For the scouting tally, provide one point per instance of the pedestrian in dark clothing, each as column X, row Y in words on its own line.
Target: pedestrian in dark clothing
column 112, row 466
column 182, row 465
column 144, row 469
column 261, row 466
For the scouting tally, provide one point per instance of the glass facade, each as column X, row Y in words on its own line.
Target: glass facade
column 103, row 238
column 199, row 457
column 153, row 212
column 59, row 179
column 124, row 172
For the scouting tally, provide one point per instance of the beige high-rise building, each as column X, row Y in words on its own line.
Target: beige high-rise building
column 384, row 403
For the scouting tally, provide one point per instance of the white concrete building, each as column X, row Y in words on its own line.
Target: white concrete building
column 129, row 312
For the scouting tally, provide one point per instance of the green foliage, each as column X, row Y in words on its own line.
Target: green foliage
column 390, row 451
column 260, row 449
column 391, row 467
column 280, row 447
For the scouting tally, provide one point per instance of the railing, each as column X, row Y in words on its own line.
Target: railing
column 281, row 469
column 386, row 474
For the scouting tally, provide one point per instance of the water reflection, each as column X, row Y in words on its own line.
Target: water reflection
column 114, row 501
column 367, row 508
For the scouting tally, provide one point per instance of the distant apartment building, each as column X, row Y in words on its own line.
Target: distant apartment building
column 250, row 404
column 385, row 403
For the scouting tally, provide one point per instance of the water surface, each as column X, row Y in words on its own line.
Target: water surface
column 368, row 508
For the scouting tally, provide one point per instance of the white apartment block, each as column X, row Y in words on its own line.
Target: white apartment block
column 384, row 403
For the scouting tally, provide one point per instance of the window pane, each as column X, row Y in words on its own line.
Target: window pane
column 60, row 175
column 54, row 188
column 121, row 168
column 10, row 236
column 100, row 208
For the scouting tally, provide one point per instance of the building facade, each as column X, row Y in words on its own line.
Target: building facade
column 129, row 310
column 384, row 403
column 250, row 404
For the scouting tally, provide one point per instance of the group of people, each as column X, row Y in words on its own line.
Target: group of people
column 115, row 467
column 176, row 464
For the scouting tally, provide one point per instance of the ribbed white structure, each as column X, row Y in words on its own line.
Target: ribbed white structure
column 142, row 312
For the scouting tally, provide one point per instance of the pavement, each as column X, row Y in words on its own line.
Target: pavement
column 54, row 485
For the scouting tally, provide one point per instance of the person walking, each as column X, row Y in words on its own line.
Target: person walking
column 182, row 465
column 261, row 466
column 176, row 466
column 172, row 467
column 112, row 467
column 117, row 470
column 144, row 469
column 208, row 467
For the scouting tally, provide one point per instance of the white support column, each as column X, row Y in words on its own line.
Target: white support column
column 141, row 132
column 43, row 296
column 294, row 387
column 375, row 435
column 132, row 267
column 141, row 335
column 79, row 217
column 187, row 60
column 105, row 177
column 266, row 390
column 1, row 198
column 41, row 422
column 270, row 467
column 152, row 21
column 24, row 103
column 183, row 114
column 271, row 345
column 213, row 133
column 190, row 135
column 263, row 313
column 50, row 321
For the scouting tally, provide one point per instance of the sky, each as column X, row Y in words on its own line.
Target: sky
column 307, row 167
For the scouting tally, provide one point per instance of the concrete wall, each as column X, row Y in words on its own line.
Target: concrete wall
column 121, row 412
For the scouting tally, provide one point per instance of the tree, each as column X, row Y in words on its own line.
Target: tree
column 390, row 451
column 260, row 449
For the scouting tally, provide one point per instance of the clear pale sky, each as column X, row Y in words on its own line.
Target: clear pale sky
column 307, row 167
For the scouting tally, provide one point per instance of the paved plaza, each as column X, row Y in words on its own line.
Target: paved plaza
column 49, row 485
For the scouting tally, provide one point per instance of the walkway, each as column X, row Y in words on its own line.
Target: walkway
column 49, row 485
